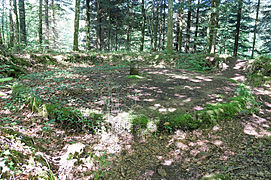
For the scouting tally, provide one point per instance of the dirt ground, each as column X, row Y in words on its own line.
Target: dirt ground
column 239, row 148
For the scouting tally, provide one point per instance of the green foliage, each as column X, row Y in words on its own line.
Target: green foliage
column 6, row 79
column 66, row 117
column 140, row 122
column 259, row 71
column 174, row 121
column 199, row 62
column 43, row 59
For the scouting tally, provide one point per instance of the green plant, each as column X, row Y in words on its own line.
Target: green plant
column 140, row 122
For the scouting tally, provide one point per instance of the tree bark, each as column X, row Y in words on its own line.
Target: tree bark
column 180, row 26
column 17, row 29
column 88, row 24
column 197, row 27
column 53, row 25
column 237, row 31
column 164, row 25
column 156, row 25
column 170, row 27
column 213, row 26
column 143, row 25
column 188, row 28
column 255, row 28
column 76, row 25
column 23, row 34
column 40, row 23
column 99, row 25
column 46, row 7
column 128, row 26
column 11, row 26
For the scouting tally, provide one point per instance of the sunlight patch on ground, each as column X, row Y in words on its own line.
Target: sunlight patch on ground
column 256, row 131
column 198, row 108
column 239, row 77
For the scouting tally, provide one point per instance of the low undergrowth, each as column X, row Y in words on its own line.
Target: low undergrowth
column 259, row 71
column 55, row 112
column 212, row 114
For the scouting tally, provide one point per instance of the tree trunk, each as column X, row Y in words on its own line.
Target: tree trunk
column 237, row 31
column 46, row 14
column 76, row 25
column 180, row 26
column 3, row 22
column 99, row 25
column 17, row 33
column 53, row 25
column 116, row 39
column 23, row 34
column 143, row 25
column 170, row 27
column 156, row 25
column 197, row 27
column 128, row 27
column 213, row 25
column 255, row 28
column 164, row 24
column 188, row 27
column 40, row 23
column 88, row 24
column 11, row 26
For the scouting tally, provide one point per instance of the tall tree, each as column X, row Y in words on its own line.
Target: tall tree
column 143, row 25
column 188, row 27
column 180, row 25
column 170, row 27
column 11, row 25
column 213, row 26
column 76, row 25
column 255, row 28
column 23, row 35
column 46, row 14
column 99, row 25
column 88, row 24
column 156, row 24
column 40, row 23
column 128, row 25
column 17, row 35
column 237, row 30
column 197, row 27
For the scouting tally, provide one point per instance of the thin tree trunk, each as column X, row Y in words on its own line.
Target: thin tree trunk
column 170, row 27
column 116, row 39
column 156, row 25
column 213, row 25
column 152, row 25
column 99, row 25
column 3, row 22
column 109, row 31
column 160, row 26
column 17, row 33
column 143, row 25
column 255, row 28
column 237, row 31
column 23, row 34
column 76, row 25
column 53, row 25
column 11, row 26
column 188, row 28
column 164, row 24
column 88, row 24
column 128, row 27
column 197, row 27
column 40, row 23
column 46, row 14
column 180, row 26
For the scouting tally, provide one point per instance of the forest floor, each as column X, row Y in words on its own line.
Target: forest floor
column 238, row 148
